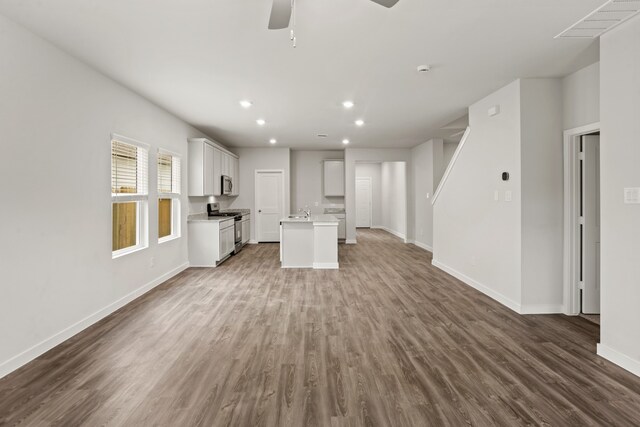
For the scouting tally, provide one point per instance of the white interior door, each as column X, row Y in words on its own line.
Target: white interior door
column 269, row 205
column 363, row 202
column 590, row 224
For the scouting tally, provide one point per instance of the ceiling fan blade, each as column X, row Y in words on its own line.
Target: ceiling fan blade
column 386, row 3
column 280, row 14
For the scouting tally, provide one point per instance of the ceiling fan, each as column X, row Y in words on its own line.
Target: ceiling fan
column 281, row 12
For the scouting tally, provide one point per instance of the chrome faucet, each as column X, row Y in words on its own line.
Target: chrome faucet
column 307, row 211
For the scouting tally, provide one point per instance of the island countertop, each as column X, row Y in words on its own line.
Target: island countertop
column 312, row 219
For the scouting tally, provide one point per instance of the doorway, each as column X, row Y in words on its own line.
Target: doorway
column 269, row 204
column 582, row 222
column 363, row 202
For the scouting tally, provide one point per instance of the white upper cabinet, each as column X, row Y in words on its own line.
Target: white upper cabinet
column 333, row 178
column 207, row 163
column 201, row 169
column 217, row 171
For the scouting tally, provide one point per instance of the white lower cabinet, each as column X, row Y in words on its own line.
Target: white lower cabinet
column 210, row 242
column 246, row 229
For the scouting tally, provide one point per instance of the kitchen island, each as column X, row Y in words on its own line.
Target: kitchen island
column 309, row 241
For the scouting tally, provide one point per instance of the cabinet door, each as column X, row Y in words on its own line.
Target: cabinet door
column 246, row 231
column 334, row 178
column 209, row 155
column 225, row 163
column 236, row 177
column 217, row 172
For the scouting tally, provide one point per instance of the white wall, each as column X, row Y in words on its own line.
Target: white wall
column 394, row 198
column 427, row 167
column 252, row 159
column 542, row 195
column 56, row 117
column 475, row 237
column 581, row 97
column 307, row 180
column 354, row 155
column 620, row 168
column 511, row 250
column 373, row 171
column 448, row 150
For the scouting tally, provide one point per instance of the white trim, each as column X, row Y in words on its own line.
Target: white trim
column 571, row 293
column 326, row 265
column 620, row 359
column 447, row 171
column 252, row 242
column 127, row 140
column 421, row 245
column 541, row 309
column 350, row 241
column 28, row 355
column 507, row 302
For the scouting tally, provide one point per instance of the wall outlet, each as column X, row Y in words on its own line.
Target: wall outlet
column 152, row 262
column 496, row 196
column 317, row 204
column 508, row 196
column 428, row 195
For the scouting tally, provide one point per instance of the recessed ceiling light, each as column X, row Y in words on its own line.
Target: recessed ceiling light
column 246, row 104
column 273, row 140
column 348, row 104
column 424, row 68
column 261, row 122
column 345, row 141
column 359, row 122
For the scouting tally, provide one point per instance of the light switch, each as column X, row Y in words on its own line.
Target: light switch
column 632, row 195
column 508, row 196
column 496, row 196
column 428, row 195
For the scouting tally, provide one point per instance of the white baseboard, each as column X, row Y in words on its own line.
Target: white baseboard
column 620, row 359
column 350, row 241
column 479, row 286
column 28, row 355
column 252, row 242
column 542, row 309
column 421, row 245
column 325, row 265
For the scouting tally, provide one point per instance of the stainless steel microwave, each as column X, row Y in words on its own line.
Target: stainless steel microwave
column 227, row 185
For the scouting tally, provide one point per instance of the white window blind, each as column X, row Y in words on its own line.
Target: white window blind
column 129, row 170
column 168, row 173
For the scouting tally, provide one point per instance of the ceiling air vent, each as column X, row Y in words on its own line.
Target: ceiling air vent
column 601, row 20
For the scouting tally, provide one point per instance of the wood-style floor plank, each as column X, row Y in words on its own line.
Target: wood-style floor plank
column 388, row 340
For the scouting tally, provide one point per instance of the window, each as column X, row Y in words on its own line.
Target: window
column 129, row 195
column 168, row 196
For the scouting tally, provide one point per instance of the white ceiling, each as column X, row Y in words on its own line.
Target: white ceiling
column 199, row 58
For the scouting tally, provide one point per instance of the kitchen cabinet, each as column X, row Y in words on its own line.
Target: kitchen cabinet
column 333, row 181
column 210, row 241
column 246, row 228
column 201, row 169
column 207, row 163
column 227, row 240
column 236, row 176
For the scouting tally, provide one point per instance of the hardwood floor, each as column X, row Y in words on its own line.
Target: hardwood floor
column 387, row 340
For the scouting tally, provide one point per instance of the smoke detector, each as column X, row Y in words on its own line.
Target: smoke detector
column 424, row 68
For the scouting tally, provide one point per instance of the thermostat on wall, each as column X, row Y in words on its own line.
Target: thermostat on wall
column 494, row 111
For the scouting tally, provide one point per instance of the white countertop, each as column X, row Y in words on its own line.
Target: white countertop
column 203, row 217
column 312, row 219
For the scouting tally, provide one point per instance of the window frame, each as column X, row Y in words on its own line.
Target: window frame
column 141, row 198
column 174, row 195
